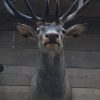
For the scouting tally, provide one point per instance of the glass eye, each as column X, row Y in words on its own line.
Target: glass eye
column 63, row 31
column 38, row 31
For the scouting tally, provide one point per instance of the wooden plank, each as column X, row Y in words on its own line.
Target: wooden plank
column 15, row 79
column 91, row 10
column 28, row 57
column 8, row 22
column 22, row 76
column 84, row 42
column 22, row 93
column 20, row 70
column 14, row 93
column 17, row 75
column 12, row 39
column 18, row 57
column 87, row 78
column 6, row 39
column 82, row 59
column 93, row 23
column 86, row 94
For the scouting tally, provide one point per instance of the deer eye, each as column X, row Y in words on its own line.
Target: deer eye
column 63, row 31
column 47, row 35
column 38, row 31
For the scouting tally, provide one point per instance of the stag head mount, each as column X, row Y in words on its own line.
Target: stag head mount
column 50, row 34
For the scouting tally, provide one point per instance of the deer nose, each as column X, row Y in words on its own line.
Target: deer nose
column 52, row 36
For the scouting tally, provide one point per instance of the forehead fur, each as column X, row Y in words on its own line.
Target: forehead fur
column 47, row 26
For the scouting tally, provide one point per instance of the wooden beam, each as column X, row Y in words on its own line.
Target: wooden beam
column 6, row 39
column 22, row 93
column 22, row 76
column 86, row 94
column 29, row 57
column 86, row 42
column 14, row 93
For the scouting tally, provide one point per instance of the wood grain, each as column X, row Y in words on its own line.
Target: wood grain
column 22, row 76
column 86, row 94
column 18, row 57
column 6, row 39
column 12, row 39
column 14, row 93
column 84, row 42
column 22, row 93
column 29, row 57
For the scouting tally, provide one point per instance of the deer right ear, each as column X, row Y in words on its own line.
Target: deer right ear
column 76, row 30
column 26, row 31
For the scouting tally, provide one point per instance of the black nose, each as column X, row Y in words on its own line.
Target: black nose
column 52, row 37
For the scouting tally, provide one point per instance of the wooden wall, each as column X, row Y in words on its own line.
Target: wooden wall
column 19, row 56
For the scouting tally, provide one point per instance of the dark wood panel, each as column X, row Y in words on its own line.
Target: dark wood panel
column 8, row 22
column 12, row 39
column 38, row 5
column 84, row 42
column 6, row 39
column 17, row 75
column 22, row 93
column 14, row 93
column 89, row 78
column 18, row 57
column 82, row 59
column 14, row 79
column 22, row 76
column 86, row 94
column 28, row 57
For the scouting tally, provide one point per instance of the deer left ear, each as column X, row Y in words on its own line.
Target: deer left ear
column 26, row 31
column 75, row 30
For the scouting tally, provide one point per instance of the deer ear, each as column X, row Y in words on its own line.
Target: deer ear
column 26, row 31
column 75, row 30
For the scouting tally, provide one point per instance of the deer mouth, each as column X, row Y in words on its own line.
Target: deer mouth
column 52, row 43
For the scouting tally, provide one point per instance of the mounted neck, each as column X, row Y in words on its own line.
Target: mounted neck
column 51, row 74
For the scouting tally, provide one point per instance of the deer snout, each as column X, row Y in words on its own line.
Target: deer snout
column 52, row 37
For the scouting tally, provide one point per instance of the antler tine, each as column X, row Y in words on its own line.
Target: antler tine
column 31, row 11
column 12, row 10
column 57, row 10
column 81, row 5
column 46, row 12
column 67, row 13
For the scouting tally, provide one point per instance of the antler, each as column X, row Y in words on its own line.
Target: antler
column 31, row 10
column 57, row 10
column 46, row 10
column 12, row 10
column 67, row 16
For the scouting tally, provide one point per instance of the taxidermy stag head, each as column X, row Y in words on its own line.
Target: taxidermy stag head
column 50, row 83
column 50, row 34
